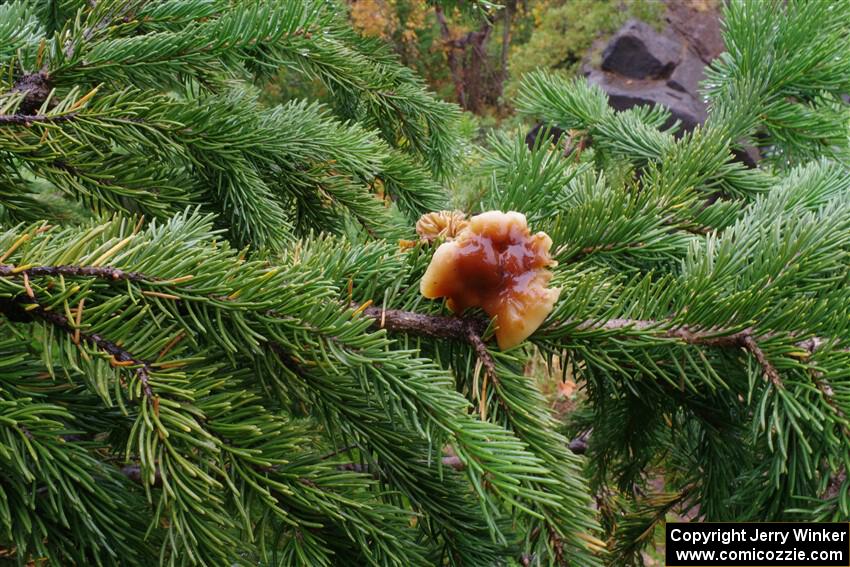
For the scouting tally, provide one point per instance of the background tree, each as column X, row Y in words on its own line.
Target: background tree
column 448, row 41
column 476, row 53
column 215, row 351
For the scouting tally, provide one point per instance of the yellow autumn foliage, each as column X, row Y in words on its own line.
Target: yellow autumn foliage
column 375, row 18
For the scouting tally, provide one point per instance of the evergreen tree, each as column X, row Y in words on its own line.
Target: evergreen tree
column 184, row 378
column 706, row 304
column 214, row 351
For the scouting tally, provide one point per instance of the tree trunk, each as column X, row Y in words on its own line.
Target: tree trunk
column 451, row 56
column 474, row 80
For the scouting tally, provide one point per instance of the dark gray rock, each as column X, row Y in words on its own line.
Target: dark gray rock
column 639, row 52
column 687, row 74
column 643, row 67
column 698, row 29
column 748, row 155
column 579, row 444
column 553, row 133
column 625, row 93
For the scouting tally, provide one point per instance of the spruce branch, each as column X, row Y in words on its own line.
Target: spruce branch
column 120, row 356
column 470, row 330
column 749, row 343
column 436, row 326
column 100, row 272
column 18, row 309
column 484, row 357
column 263, row 364
column 467, row 329
column 27, row 119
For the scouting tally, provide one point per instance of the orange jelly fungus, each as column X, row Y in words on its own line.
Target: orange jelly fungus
column 496, row 264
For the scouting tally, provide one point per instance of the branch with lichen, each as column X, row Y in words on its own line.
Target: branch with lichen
column 100, row 272
column 27, row 119
column 459, row 329
column 119, row 356
column 466, row 329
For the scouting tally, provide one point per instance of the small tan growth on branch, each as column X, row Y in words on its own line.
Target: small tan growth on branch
column 495, row 263
column 442, row 224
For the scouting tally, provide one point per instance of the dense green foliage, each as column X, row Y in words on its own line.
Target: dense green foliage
column 724, row 360
column 182, row 378
column 193, row 285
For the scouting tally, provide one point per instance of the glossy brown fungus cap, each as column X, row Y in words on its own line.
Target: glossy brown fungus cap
column 495, row 263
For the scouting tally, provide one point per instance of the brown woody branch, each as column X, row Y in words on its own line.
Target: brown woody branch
column 749, row 343
column 119, row 354
column 458, row 328
column 15, row 309
column 470, row 330
column 105, row 273
column 467, row 329
column 480, row 348
column 27, row 119
column 745, row 339
column 436, row 326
